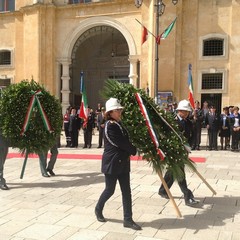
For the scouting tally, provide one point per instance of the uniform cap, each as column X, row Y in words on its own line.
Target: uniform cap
column 113, row 104
column 184, row 105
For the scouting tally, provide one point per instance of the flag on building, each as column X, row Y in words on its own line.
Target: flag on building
column 190, row 86
column 144, row 35
column 83, row 107
column 166, row 32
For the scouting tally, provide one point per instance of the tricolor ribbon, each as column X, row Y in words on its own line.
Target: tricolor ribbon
column 149, row 125
column 35, row 102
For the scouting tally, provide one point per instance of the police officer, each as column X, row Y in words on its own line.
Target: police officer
column 185, row 126
column 116, row 163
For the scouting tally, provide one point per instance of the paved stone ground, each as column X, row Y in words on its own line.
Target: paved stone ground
column 62, row 207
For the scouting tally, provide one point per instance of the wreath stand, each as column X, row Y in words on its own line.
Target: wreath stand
column 25, row 163
column 159, row 172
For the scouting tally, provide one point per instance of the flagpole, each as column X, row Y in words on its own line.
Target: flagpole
column 160, row 10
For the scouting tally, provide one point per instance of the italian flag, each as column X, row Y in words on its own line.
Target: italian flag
column 190, row 86
column 166, row 32
column 83, row 107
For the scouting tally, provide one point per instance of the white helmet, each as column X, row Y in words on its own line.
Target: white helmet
column 184, row 105
column 113, row 104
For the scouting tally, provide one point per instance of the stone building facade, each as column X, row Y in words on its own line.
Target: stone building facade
column 53, row 41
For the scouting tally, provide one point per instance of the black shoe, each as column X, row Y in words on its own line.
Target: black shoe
column 90, row 146
column 163, row 195
column 191, row 202
column 45, row 175
column 51, row 172
column 99, row 147
column 131, row 224
column 99, row 216
column 198, row 148
column 84, row 146
column 4, row 187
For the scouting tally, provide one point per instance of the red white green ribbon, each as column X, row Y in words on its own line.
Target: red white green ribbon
column 35, row 102
column 149, row 126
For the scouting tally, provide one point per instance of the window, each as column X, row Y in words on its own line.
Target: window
column 78, row 1
column 5, row 57
column 213, row 47
column 212, row 81
column 7, row 5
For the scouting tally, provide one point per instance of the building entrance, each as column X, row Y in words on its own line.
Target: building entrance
column 101, row 53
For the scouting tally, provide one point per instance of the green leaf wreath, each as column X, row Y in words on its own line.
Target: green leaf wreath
column 14, row 105
column 170, row 139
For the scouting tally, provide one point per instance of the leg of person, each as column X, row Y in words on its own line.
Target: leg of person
column 188, row 195
column 85, row 138
column 3, row 156
column 43, row 163
column 90, row 139
column 215, row 145
column 100, row 137
column 110, row 185
column 169, row 181
column 124, row 181
column 210, row 139
column 52, row 161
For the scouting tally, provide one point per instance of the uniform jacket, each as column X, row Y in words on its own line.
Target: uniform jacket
column 117, row 149
column 213, row 121
column 186, row 127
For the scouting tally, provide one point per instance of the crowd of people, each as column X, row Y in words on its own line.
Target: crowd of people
column 73, row 124
column 223, row 128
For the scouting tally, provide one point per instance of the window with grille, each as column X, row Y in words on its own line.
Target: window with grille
column 7, row 5
column 79, row 1
column 212, row 81
column 5, row 57
column 213, row 47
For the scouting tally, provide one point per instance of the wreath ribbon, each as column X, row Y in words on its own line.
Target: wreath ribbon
column 35, row 102
column 149, row 126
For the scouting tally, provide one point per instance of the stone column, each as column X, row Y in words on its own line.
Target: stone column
column 133, row 70
column 65, row 84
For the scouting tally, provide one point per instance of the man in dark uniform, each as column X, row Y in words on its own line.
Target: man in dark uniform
column 185, row 126
column 88, row 129
column 197, row 118
column 212, row 122
column 3, row 156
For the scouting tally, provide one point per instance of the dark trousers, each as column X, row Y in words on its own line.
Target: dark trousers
column 100, row 138
column 87, row 137
column 196, row 138
column 74, row 138
column 182, row 184
column 110, row 185
column 3, row 156
column 235, row 140
column 212, row 136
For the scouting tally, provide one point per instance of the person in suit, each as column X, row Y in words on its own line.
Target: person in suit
column 100, row 124
column 185, row 126
column 197, row 118
column 235, row 129
column 74, row 127
column 3, row 155
column 116, row 163
column 88, row 127
column 212, row 122
column 224, row 133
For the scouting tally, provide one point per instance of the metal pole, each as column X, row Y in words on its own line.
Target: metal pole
column 158, row 6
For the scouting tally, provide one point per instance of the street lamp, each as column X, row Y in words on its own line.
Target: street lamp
column 160, row 8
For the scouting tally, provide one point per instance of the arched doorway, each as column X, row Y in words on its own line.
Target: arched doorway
column 101, row 52
column 66, row 65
